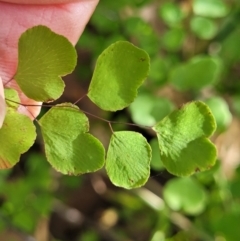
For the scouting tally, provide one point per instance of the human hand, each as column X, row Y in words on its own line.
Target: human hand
column 65, row 17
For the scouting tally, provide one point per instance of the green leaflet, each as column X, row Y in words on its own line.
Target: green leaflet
column 128, row 159
column 210, row 8
column 119, row 72
column 185, row 194
column 43, row 57
column 173, row 39
column 190, row 75
column 12, row 95
column 68, row 147
column 17, row 135
column 171, row 13
column 221, row 112
column 204, row 28
column 148, row 109
column 182, row 137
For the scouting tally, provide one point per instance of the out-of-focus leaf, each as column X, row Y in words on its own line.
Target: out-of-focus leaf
column 171, row 13
column 158, row 71
column 148, row 109
column 210, row 8
column 143, row 34
column 221, row 112
column 185, row 194
column 230, row 51
column 173, row 39
column 228, row 225
column 204, row 28
column 236, row 104
column 199, row 72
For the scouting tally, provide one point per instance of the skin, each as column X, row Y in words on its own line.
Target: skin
column 65, row 17
column 2, row 104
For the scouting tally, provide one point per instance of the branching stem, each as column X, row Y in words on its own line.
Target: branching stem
column 86, row 112
column 80, row 99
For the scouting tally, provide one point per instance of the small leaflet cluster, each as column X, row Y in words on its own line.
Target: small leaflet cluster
column 44, row 57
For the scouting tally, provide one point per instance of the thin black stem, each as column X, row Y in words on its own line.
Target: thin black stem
column 131, row 124
column 34, row 117
column 95, row 116
column 79, row 99
column 86, row 112
column 8, row 82
column 26, row 105
column 157, row 175
column 111, row 127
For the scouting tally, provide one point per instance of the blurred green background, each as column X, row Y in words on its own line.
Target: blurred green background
column 194, row 47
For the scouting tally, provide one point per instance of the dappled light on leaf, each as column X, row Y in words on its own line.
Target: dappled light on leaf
column 119, row 72
column 183, row 143
column 128, row 159
column 43, row 57
column 69, row 149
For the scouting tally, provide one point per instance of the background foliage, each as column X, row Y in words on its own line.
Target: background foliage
column 195, row 55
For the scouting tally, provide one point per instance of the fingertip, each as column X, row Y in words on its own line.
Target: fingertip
column 2, row 104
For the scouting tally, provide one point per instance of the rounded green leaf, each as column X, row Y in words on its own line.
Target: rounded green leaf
column 182, row 138
column 128, row 159
column 185, row 194
column 198, row 155
column 173, row 39
column 2, row 104
column 204, row 28
column 12, row 95
column 68, row 147
column 171, row 13
column 210, row 8
column 43, row 57
column 17, row 135
column 67, row 117
column 148, row 109
column 190, row 75
column 221, row 112
column 119, row 72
